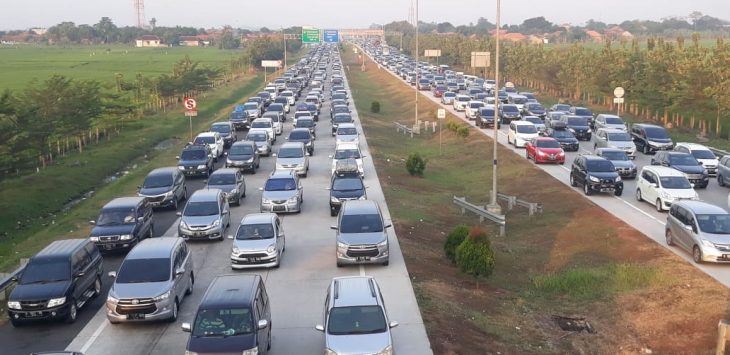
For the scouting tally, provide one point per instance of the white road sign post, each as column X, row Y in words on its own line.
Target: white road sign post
column 440, row 114
column 191, row 110
column 618, row 94
column 270, row 64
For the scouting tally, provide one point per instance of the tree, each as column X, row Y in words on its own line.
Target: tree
column 536, row 25
column 153, row 23
column 265, row 30
column 445, row 27
column 597, row 26
column 107, row 30
column 228, row 41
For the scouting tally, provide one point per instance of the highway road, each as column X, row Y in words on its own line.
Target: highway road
column 640, row 215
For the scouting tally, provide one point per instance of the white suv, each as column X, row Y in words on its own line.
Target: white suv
column 213, row 140
column 521, row 132
column 662, row 186
column 472, row 108
column 460, row 102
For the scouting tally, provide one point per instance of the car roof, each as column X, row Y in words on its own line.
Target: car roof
column 592, row 157
column 61, row 248
column 163, row 171
column 150, row 248
column 266, row 119
column 647, row 125
column 258, row 218
column 124, row 202
column 693, row 146
column 347, row 145
column 360, row 207
column 222, row 123
column 249, row 143
column 612, row 130
column 282, row 174
column 227, row 290
column 206, row 134
column 224, row 171
column 293, row 144
column 522, row 123
column 615, row 150
column 663, row 170
column 346, row 125
column 306, row 130
column 354, row 291
column 205, row 195
column 701, row 207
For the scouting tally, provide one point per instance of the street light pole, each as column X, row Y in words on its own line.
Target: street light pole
column 493, row 205
column 416, row 86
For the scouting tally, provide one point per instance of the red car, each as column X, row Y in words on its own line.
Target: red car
column 545, row 150
column 439, row 91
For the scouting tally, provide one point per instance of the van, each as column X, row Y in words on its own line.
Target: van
column 234, row 316
column 651, row 138
column 56, row 282
column 164, row 187
column 361, row 236
column 521, row 132
column 518, row 100
column 122, row 223
column 700, row 228
column 267, row 124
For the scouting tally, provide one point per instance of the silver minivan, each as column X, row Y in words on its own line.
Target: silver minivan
column 258, row 242
column 282, row 193
column 207, row 215
column 700, row 228
column 362, row 236
column 293, row 156
column 151, row 282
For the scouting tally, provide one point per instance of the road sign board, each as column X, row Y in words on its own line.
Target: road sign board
column 618, row 92
column 331, row 36
column 191, row 113
column 618, row 100
column 190, row 104
column 441, row 114
column 480, row 59
column 509, row 84
column 432, row 53
column 310, row 35
column 271, row 64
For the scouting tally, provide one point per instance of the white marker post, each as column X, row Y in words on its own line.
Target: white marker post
column 441, row 115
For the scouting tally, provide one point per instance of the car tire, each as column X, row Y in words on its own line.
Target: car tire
column 73, row 312
column 332, row 213
column 268, row 346
column 618, row 192
column 185, row 193
column 658, row 205
column 176, row 205
column 175, row 310
column 668, row 237
column 386, row 263
column 339, row 264
column 527, row 155
column 190, row 287
column 587, row 189
column 243, row 194
column 151, row 233
column 638, row 195
column 645, row 149
column 697, row 255
column 96, row 287
column 572, row 181
column 720, row 180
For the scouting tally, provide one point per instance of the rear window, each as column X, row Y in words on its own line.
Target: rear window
column 614, row 120
column 241, row 149
column 463, row 98
column 299, row 134
column 356, row 320
column 261, row 124
column 347, row 131
column 204, row 140
column 577, row 121
column 290, row 153
column 544, row 143
column 144, row 270
column 583, row 112
column 255, row 231
column 222, row 179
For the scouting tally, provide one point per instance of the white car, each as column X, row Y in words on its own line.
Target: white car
column 460, row 102
column 212, row 140
column 348, row 150
column 347, row 132
column 448, row 98
column 521, row 132
column 272, row 90
column 313, row 99
column 267, row 124
column 289, row 96
column 472, row 108
column 703, row 155
column 662, row 185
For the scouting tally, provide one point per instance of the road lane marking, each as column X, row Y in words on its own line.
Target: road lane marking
column 362, row 270
column 94, row 336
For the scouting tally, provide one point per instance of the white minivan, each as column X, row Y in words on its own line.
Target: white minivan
column 662, row 186
column 521, row 132
column 266, row 124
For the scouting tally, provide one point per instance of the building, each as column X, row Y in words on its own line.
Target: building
column 514, row 37
column 594, row 36
column 189, row 41
column 149, row 41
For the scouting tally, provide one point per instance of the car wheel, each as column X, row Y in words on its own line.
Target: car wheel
column 176, row 204
column 697, row 255
column 185, row 193
column 190, row 286
column 339, row 264
column 243, row 194
column 638, row 195
column 527, row 155
column 97, row 287
column 645, row 149
column 332, row 213
column 175, row 309
column 151, row 233
column 572, row 181
column 720, row 180
column 386, row 263
column 15, row 323
column 658, row 205
column 668, row 237
column 73, row 312
column 268, row 346
column 587, row 189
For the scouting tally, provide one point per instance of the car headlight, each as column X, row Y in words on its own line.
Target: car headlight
column 541, row 153
column 363, row 197
column 618, row 178
column 589, row 130
column 187, row 352
column 183, row 225
column 665, row 195
column 94, row 239
column 250, row 160
column 201, row 166
column 168, row 194
column 265, row 201
column 594, row 179
column 570, row 129
column 387, row 351
column 271, row 248
column 708, row 243
column 235, row 250
column 254, row 351
column 233, row 192
column 341, row 245
column 125, row 237
column 162, row 297
column 334, row 199
column 383, row 244
column 329, row 352
column 293, row 199
column 13, row 304
column 180, row 167
column 229, row 161
column 112, row 299
column 217, row 223
column 53, row 302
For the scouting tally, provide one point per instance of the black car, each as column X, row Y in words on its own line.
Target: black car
column 312, row 108
column 244, row 156
column 56, row 282
column 122, row 223
column 651, row 138
column 582, row 112
column 595, row 174
column 196, row 159
column 534, row 109
column 346, row 184
column 579, row 126
column 339, row 109
column 309, row 124
column 226, row 131
column 565, row 137
column 485, row 117
column 685, row 163
column 302, row 135
column 509, row 113
column 164, row 187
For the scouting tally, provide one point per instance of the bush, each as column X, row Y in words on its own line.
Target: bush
column 474, row 256
column 453, row 240
column 415, row 164
column 462, row 132
column 375, row 107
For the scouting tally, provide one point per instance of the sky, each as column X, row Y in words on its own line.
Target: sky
column 252, row 14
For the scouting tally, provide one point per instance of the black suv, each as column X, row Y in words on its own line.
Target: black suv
column 122, row 223
column 346, row 184
column 485, row 117
column 596, row 174
column 651, row 138
column 685, row 163
column 244, row 156
column 582, row 112
column 565, row 137
column 196, row 159
column 56, row 282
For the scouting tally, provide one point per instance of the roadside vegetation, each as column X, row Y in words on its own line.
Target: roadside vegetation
column 573, row 260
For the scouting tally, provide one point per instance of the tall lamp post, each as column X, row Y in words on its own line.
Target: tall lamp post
column 416, row 86
column 493, row 205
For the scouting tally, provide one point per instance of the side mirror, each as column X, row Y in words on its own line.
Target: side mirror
column 653, row 185
column 263, row 324
column 329, row 156
column 699, row 163
column 177, row 157
column 319, row 327
column 688, row 227
column 139, row 187
column 186, row 327
column 179, row 271
column 14, row 279
column 334, row 227
column 393, row 324
column 112, row 274
column 92, row 222
column 179, row 214
column 273, row 154
column 307, row 154
column 225, row 153
column 261, row 189
column 632, row 157
column 389, row 225
column 692, row 184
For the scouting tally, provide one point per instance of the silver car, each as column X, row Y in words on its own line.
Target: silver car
column 258, row 242
column 700, row 228
column 261, row 139
column 624, row 166
column 610, row 121
column 231, row 182
column 362, row 236
column 355, row 318
column 152, row 281
column 206, row 215
column 614, row 138
column 282, row 193
column 293, row 156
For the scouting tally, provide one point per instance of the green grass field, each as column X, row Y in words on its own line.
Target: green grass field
column 20, row 64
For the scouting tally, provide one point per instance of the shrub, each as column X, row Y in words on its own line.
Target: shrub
column 375, row 107
column 415, row 164
column 474, row 256
column 453, row 240
column 462, row 132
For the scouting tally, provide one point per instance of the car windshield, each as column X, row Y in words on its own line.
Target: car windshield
column 519, row 100
column 703, row 154
column 682, row 160
column 656, row 132
column 449, row 94
column 207, row 208
column 614, row 120
column 311, row 107
column 45, row 270
column 525, row 128
column 347, row 153
column 204, row 140
column 356, row 320
column 577, row 121
column 535, row 107
column 510, row 108
column 276, row 107
column 347, row 184
column 222, row 179
column 304, row 123
column 115, row 217
column 583, row 112
column 614, row 155
column 361, row 223
column 619, row 137
column 197, row 154
column 463, row 98
column 343, row 118
column 600, row 166
column 347, row 131
column 223, row 322
column 547, row 143
column 261, row 124
column 157, row 180
column 302, row 114
column 675, row 182
column 299, row 135
column 562, row 107
column 561, row 133
column 255, row 231
column 486, row 112
column 714, row 223
column 534, row 120
column 250, row 107
column 144, row 270
column 280, row 185
column 476, row 104
column 290, row 153
column 221, row 128
column 256, row 137
column 241, row 149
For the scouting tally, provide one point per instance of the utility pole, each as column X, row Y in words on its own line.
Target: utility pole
column 284, row 35
column 417, row 64
column 493, row 205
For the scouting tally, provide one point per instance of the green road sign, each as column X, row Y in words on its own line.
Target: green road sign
column 310, row 35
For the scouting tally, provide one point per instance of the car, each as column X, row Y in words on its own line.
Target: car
column 472, row 108
column 280, row 100
column 453, row 87
column 348, row 150
column 56, row 282
column 448, row 98
column 624, row 166
column 347, row 132
column 651, row 138
column 226, row 131
column 579, row 126
column 308, row 123
column 703, row 155
column 314, row 100
column 662, row 186
column 346, row 184
column 564, row 108
column 355, row 319
column 700, row 228
column 239, row 119
column 582, row 112
column 259, row 242
column 262, row 140
column 293, row 156
column 303, row 135
column 338, row 108
column 244, row 156
column 231, row 182
column 595, row 174
column 277, row 120
column 152, row 282
column 544, row 150
column 361, row 234
column 534, row 109
column 214, row 141
column 265, row 123
column 538, row 122
column 122, row 223
column 195, row 159
column 279, row 107
column 609, row 121
column 517, row 100
column 460, row 102
column 439, row 90
column 164, row 187
column 282, row 193
column 614, row 138
column 340, row 96
column 565, row 137
column 314, row 110
column 339, row 119
column 207, row 215
column 290, row 96
column 685, row 163
column 234, row 316
column 509, row 113
column 723, row 171
column 485, row 117
column 520, row 132
column 553, row 117
column 424, row 84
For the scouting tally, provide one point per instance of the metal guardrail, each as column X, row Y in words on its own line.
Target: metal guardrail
column 401, row 127
column 513, row 201
column 482, row 213
column 7, row 281
column 719, row 153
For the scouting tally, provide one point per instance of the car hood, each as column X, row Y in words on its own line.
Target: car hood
column 578, row 128
column 40, row 291
column 112, row 230
column 305, row 141
column 623, row 163
column 348, row 193
column 192, row 162
column 567, row 140
column 708, row 162
column 362, row 238
column 659, row 140
column 200, row 220
column 622, row 144
column 550, row 150
column 344, row 138
column 253, row 244
column 238, row 157
column 604, row 175
column 261, row 144
column 615, row 126
column 224, row 188
column 536, row 112
column 154, row 191
column 358, row 343
column 220, row 344
column 224, row 134
column 716, row 238
column 689, row 194
column 139, row 290
column 278, row 195
column 289, row 161
column 252, row 112
column 690, row 169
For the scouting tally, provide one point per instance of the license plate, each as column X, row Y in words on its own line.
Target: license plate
column 363, row 258
column 108, row 247
column 135, row 316
column 199, row 234
column 279, row 208
column 34, row 314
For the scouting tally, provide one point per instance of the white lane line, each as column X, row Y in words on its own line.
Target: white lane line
column 362, row 270
column 94, row 336
column 640, row 210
